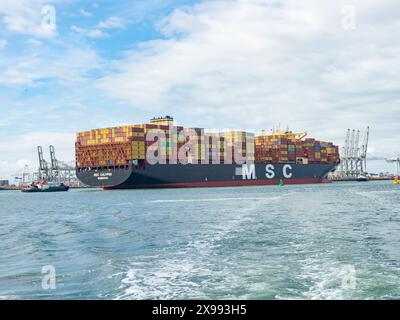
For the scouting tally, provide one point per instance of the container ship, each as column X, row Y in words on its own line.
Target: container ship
column 160, row 154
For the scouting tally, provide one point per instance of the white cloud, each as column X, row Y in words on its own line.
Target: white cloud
column 34, row 42
column 256, row 63
column 91, row 33
column 111, row 23
column 3, row 43
column 77, row 29
column 31, row 70
column 85, row 13
column 97, row 32
column 22, row 149
column 26, row 17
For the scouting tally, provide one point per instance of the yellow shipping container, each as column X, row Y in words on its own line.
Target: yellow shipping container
column 138, row 143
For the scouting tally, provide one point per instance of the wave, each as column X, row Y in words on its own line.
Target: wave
column 219, row 199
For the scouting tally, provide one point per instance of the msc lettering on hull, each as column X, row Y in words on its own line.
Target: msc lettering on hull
column 249, row 171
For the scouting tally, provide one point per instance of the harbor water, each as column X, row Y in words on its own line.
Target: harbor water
column 327, row 241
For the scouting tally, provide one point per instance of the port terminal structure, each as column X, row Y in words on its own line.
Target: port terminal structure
column 55, row 171
column 397, row 161
column 353, row 156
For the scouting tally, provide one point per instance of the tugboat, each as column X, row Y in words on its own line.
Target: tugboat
column 362, row 178
column 46, row 187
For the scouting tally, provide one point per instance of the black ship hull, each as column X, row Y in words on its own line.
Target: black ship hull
column 203, row 175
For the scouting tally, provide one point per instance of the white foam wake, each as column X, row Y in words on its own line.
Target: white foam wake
column 220, row 199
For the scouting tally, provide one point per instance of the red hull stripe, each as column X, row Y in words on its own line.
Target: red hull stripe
column 208, row 184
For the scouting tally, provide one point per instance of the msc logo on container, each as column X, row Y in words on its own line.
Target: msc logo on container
column 248, row 171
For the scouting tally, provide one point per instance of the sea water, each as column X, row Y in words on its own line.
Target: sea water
column 326, row 241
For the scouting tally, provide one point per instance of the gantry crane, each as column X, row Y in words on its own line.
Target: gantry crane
column 397, row 161
column 61, row 171
column 353, row 158
column 44, row 173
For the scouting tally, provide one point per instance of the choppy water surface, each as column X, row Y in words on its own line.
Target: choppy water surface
column 331, row 241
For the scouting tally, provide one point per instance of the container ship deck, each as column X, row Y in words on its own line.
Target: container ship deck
column 161, row 155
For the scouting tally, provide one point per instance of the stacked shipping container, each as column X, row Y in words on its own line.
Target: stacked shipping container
column 110, row 146
column 126, row 144
column 286, row 147
column 241, row 146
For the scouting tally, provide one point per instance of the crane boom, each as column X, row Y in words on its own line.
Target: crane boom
column 54, row 164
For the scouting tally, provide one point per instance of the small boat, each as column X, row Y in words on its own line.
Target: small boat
column 46, row 187
column 362, row 178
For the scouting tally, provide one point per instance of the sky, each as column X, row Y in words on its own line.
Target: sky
column 312, row 65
